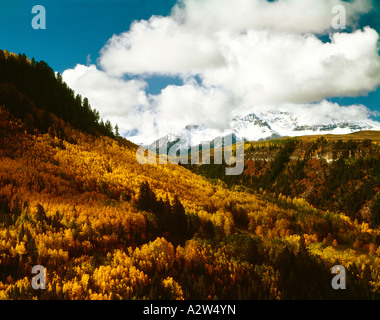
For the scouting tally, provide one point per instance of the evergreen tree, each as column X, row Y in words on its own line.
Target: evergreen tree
column 117, row 133
column 40, row 214
column 146, row 200
column 179, row 222
column 30, row 89
column 376, row 211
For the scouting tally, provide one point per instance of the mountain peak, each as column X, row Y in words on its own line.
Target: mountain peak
column 266, row 125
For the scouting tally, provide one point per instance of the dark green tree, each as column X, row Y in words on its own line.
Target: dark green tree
column 146, row 200
column 179, row 219
column 117, row 133
column 375, row 210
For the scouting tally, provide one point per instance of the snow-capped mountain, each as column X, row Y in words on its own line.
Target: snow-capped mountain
column 275, row 123
column 191, row 135
column 262, row 126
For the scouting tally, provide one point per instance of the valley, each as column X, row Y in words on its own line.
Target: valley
column 74, row 199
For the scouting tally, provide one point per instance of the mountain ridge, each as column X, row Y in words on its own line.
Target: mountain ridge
column 261, row 126
column 104, row 226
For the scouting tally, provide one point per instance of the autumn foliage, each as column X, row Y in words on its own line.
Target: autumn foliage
column 106, row 227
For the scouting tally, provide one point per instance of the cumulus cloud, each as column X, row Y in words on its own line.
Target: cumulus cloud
column 122, row 102
column 295, row 16
column 327, row 113
column 246, row 53
column 191, row 39
column 126, row 103
column 194, row 104
column 272, row 67
column 160, row 45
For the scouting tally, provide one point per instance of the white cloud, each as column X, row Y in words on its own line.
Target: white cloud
column 160, row 45
column 273, row 67
column 180, row 106
column 247, row 53
column 295, row 16
column 116, row 99
column 189, row 41
column 326, row 113
column 126, row 103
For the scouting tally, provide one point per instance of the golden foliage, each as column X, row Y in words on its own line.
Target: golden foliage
column 70, row 206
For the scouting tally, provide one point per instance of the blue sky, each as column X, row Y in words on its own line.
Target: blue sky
column 75, row 28
column 371, row 100
column 78, row 29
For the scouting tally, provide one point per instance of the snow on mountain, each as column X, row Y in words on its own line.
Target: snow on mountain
column 264, row 126
column 192, row 135
column 275, row 123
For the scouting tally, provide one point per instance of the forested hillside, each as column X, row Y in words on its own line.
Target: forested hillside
column 33, row 92
column 105, row 227
column 340, row 174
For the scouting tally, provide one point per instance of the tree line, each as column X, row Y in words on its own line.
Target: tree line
column 32, row 91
